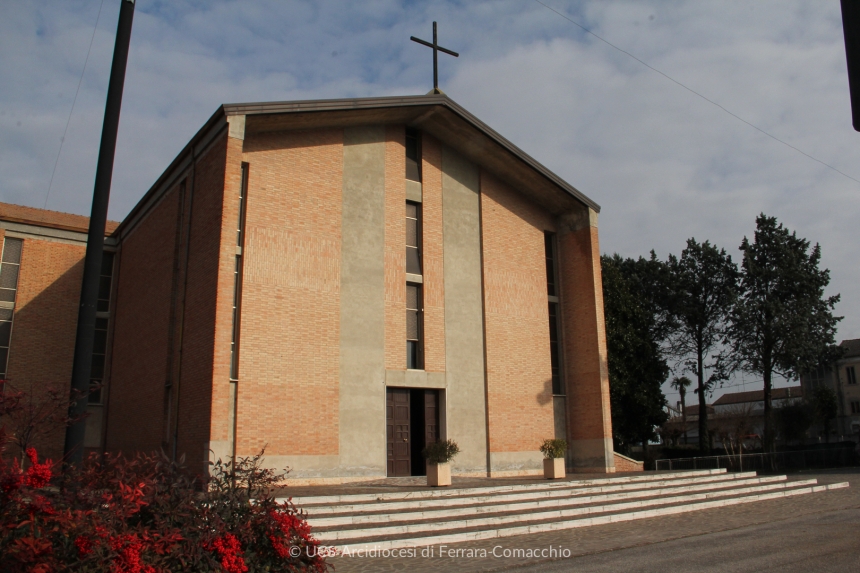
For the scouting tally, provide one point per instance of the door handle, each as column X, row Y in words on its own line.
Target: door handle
column 405, row 440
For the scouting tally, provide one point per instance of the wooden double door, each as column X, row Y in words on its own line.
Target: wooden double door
column 412, row 422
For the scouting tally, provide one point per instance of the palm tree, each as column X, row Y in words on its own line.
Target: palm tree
column 681, row 384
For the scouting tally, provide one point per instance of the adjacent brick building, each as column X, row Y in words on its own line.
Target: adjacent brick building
column 342, row 282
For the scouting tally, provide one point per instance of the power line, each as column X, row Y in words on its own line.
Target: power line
column 691, row 90
column 68, row 121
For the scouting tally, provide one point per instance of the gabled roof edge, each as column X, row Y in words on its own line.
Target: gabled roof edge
column 261, row 108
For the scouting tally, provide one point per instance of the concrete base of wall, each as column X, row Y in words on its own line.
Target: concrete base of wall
column 326, row 481
column 591, row 456
column 515, row 462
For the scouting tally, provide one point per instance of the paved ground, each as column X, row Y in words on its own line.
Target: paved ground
column 814, row 532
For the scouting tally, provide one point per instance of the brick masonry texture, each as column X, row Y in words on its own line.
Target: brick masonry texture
column 141, row 330
column 584, row 335
column 623, row 464
column 290, row 340
column 434, row 285
column 228, row 181
column 516, row 321
column 195, row 394
column 43, row 332
column 395, row 247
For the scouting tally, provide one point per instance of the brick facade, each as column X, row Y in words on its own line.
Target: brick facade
column 46, row 307
column 175, row 288
column 434, row 279
column 141, row 321
column 43, row 332
column 395, row 262
column 584, row 341
column 288, row 395
column 516, row 319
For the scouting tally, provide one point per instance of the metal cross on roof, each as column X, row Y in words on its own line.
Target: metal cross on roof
column 436, row 48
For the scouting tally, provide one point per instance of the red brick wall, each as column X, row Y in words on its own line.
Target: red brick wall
column 141, row 330
column 584, row 335
column 434, row 286
column 519, row 374
column 43, row 332
column 290, row 340
column 395, row 247
column 625, row 464
column 226, row 240
column 205, row 269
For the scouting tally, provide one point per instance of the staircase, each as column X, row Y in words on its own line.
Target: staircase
column 391, row 520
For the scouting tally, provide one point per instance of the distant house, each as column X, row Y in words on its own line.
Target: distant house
column 740, row 415
column 841, row 377
column 673, row 429
column 754, row 400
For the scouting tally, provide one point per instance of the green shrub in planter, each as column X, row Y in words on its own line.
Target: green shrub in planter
column 553, row 448
column 440, row 452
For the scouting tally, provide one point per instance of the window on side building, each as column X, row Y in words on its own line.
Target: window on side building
column 851, row 375
column 97, row 366
column 9, row 268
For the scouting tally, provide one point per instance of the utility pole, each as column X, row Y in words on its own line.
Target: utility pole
column 851, row 29
column 73, row 451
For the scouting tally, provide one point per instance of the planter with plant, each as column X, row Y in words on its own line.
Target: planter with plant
column 439, row 455
column 553, row 462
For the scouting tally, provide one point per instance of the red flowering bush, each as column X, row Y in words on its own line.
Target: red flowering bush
column 146, row 515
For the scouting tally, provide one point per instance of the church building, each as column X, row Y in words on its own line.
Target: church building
column 340, row 282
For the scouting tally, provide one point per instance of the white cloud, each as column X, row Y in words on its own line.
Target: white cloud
column 663, row 163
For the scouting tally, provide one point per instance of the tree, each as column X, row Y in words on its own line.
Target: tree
column 681, row 384
column 704, row 286
column 824, row 407
column 793, row 419
column 637, row 368
column 782, row 323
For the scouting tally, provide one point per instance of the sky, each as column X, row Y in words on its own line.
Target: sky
column 664, row 163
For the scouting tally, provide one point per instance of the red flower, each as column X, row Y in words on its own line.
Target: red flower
column 38, row 475
column 230, row 551
column 84, row 545
column 128, row 548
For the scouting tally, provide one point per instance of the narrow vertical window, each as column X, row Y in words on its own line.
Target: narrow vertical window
column 852, row 376
column 554, row 322
column 550, row 264
column 413, row 238
column 413, row 156
column 9, row 267
column 97, row 366
column 237, row 275
column 414, row 327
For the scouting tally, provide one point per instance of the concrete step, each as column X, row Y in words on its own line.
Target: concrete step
column 430, row 523
column 412, row 494
column 483, row 533
column 383, row 515
column 553, row 491
column 417, row 517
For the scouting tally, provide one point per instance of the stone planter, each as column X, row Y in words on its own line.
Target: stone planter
column 553, row 468
column 439, row 474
